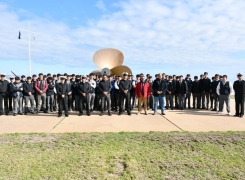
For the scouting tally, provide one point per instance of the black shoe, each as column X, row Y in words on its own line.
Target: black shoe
column 172, row 108
column 66, row 115
column 80, row 114
column 14, row 114
column 1, row 114
column 45, row 111
column 214, row 110
column 88, row 114
column 25, row 113
column 129, row 113
column 120, row 113
column 59, row 115
column 37, row 112
column 241, row 116
column 163, row 114
column 207, row 109
column 236, row 115
column 51, row 110
column 101, row 114
column 32, row 113
column 20, row 113
column 193, row 108
column 109, row 113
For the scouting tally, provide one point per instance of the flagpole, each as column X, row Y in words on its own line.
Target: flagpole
column 29, row 45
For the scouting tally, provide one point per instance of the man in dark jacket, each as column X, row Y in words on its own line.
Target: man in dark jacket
column 50, row 94
column 182, row 90
column 105, row 88
column 17, row 89
column 239, row 88
column 62, row 92
column 170, row 93
column 205, row 85
column 28, row 91
column 11, row 78
column 188, row 95
column 4, row 94
column 214, row 94
column 195, row 89
column 76, row 93
column 84, row 89
column 125, row 86
column 159, row 88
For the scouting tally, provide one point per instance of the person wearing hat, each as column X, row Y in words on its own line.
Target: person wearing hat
column 239, row 88
column 17, row 89
column 11, row 81
column 23, row 79
column 62, row 91
column 125, row 86
column 224, row 89
column 84, row 89
column 195, row 90
column 50, row 94
column 28, row 91
column 105, row 88
column 4, row 94
column 214, row 94
column 41, row 87
column 188, row 95
column 205, row 85
column 182, row 90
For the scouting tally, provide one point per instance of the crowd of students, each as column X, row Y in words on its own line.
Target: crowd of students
column 67, row 93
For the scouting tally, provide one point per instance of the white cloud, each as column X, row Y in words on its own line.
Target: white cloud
column 198, row 34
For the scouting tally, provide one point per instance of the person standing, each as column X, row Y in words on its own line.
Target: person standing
column 17, row 88
column 224, row 89
column 125, row 86
column 105, row 88
column 112, row 93
column 41, row 87
column 84, row 89
column 182, row 90
column 34, row 79
column 50, row 94
column 76, row 92
column 142, row 92
column 132, row 92
column 69, row 94
column 11, row 78
column 159, row 88
column 188, row 95
column 150, row 100
column 214, row 94
column 4, row 94
column 62, row 91
column 239, row 88
column 195, row 89
column 205, row 84
column 28, row 91
column 92, row 91
column 170, row 93
column 117, row 92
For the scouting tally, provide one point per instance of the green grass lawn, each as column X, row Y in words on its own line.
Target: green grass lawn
column 154, row 155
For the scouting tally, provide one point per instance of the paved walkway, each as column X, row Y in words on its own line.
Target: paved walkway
column 188, row 120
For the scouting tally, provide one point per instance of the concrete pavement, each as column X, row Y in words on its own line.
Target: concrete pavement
column 175, row 120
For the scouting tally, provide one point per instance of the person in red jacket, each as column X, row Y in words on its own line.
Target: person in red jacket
column 142, row 92
column 41, row 87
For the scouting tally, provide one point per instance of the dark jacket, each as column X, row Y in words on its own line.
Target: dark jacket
column 83, row 88
column 239, row 87
column 97, row 90
column 28, row 88
column 62, row 89
column 214, row 85
column 195, row 88
column 70, row 87
column 189, row 84
column 16, row 89
column 4, row 86
column 159, row 85
column 75, row 87
column 171, row 88
column 181, row 89
column 105, row 86
column 125, row 85
column 112, row 87
column 205, row 85
column 50, row 90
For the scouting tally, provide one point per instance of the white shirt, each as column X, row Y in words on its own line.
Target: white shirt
column 218, row 88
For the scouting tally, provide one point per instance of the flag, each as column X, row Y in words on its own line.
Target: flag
column 19, row 34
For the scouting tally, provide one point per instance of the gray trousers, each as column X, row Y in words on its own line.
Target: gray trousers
column 216, row 101
column 91, row 100
column 181, row 99
column 27, row 100
column 50, row 102
column 169, row 99
column 196, row 100
column 103, row 99
column 226, row 99
column 206, row 94
column 17, row 105
column 41, row 97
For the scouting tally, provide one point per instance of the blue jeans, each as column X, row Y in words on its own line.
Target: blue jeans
column 161, row 101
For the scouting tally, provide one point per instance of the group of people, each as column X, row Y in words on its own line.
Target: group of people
column 103, row 93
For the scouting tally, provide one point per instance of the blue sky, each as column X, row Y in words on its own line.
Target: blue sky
column 175, row 37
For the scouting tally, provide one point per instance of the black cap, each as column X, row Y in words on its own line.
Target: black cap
column 58, row 74
column 188, row 75
column 28, row 77
column 73, row 75
column 34, row 75
column 239, row 74
column 195, row 77
column 17, row 78
column 77, row 76
column 23, row 76
column 40, row 74
column 205, row 73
